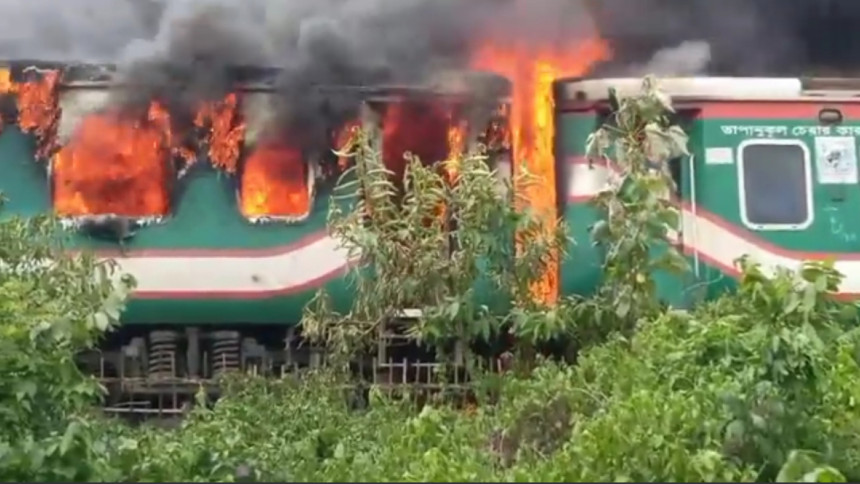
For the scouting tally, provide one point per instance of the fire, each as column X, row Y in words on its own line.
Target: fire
column 6, row 84
column 429, row 130
column 418, row 127
column 159, row 117
column 117, row 165
column 38, row 103
column 38, row 111
column 497, row 136
column 7, row 87
column 457, row 130
column 274, row 182
column 532, row 72
column 226, row 131
column 343, row 138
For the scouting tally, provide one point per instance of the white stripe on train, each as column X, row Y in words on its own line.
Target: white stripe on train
column 256, row 276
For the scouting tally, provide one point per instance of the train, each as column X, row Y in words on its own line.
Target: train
column 772, row 167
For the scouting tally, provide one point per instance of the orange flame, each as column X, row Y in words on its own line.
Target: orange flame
column 532, row 72
column 343, row 138
column 457, row 130
column 115, row 165
column 226, row 131
column 497, row 136
column 275, row 182
column 419, row 127
column 6, row 84
column 7, row 87
column 38, row 107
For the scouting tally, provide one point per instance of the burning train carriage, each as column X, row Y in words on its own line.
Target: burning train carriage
column 218, row 214
column 219, row 285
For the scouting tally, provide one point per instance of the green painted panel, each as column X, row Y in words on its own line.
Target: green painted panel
column 205, row 215
column 835, row 228
column 581, row 270
column 22, row 180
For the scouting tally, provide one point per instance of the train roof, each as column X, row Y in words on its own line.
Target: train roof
column 265, row 79
column 717, row 88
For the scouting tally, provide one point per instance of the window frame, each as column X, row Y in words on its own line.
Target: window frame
column 807, row 162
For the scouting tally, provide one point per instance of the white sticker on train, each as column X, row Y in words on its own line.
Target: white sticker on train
column 836, row 159
column 719, row 156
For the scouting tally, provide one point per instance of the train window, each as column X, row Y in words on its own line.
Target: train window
column 115, row 166
column 775, row 184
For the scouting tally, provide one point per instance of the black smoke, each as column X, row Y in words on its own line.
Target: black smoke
column 746, row 37
column 186, row 51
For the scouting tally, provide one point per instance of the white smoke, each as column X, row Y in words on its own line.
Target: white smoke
column 686, row 59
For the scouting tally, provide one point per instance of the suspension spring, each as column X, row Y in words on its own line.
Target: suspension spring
column 162, row 353
column 225, row 351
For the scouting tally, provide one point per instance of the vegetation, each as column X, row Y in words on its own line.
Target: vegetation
column 756, row 386
column 445, row 247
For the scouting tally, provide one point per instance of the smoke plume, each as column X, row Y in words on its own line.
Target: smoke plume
column 688, row 58
column 182, row 51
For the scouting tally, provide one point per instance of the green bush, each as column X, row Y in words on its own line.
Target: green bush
column 52, row 304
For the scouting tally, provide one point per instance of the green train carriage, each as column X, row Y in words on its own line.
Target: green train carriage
column 771, row 173
column 209, row 280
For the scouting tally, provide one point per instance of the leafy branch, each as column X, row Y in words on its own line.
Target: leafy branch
column 437, row 242
column 52, row 304
column 636, row 143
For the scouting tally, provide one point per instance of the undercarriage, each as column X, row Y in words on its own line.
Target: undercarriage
column 159, row 372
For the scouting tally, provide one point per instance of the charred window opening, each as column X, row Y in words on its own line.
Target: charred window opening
column 433, row 130
column 676, row 172
column 418, row 127
column 496, row 136
column 115, row 164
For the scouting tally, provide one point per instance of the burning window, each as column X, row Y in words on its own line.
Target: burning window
column 115, row 164
column 418, row 127
column 433, row 131
column 36, row 105
column 225, row 130
column 532, row 70
column 276, row 181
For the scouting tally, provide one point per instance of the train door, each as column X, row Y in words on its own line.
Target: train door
column 675, row 289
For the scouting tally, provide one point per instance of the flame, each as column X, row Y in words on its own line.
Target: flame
column 39, row 112
column 160, row 119
column 7, row 87
column 532, row 72
column 117, row 165
column 342, row 141
column 457, row 130
column 497, row 136
column 38, row 104
column 419, row 127
column 226, row 131
column 275, row 182
column 6, row 84
column 430, row 131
